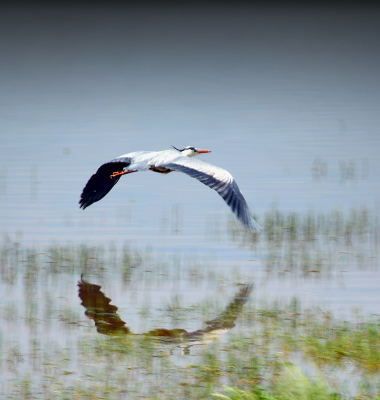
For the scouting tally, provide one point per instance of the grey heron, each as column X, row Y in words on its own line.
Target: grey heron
column 164, row 162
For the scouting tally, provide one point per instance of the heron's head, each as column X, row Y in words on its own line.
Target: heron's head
column 191, row 151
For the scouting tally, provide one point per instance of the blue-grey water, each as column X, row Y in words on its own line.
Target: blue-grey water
column 288, row 100
column 273, row 93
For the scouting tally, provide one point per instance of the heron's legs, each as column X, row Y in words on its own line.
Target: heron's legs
column 117, row 173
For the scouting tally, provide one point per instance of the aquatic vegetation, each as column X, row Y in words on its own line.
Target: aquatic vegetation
column 257, row 361
column 313, row 244
column 291, row 384
column 56, row 345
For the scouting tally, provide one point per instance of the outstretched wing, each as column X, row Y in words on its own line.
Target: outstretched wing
column 101, row 183
column 221, row 181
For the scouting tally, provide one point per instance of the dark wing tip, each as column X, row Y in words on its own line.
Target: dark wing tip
column 233, row 197
column 249, row 223
column 100, row 183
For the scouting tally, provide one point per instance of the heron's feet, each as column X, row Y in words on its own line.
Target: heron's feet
column 118, row 173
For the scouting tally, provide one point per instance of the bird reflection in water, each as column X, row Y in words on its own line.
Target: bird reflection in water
column 108, row 322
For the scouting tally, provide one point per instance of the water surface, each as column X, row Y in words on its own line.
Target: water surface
column 288, row 101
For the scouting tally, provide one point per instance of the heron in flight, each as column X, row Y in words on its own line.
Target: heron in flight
column 164, row 162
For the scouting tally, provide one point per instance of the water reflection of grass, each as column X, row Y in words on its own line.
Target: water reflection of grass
column 312, row 244
column 257, row 362
column 276, row 351
column 260, row 361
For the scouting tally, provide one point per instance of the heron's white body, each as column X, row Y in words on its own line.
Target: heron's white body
column 167, row 161
column 144, row 160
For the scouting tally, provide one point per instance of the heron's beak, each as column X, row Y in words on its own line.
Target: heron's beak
column 204, row 151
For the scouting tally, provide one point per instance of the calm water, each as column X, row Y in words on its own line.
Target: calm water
column 287, row 100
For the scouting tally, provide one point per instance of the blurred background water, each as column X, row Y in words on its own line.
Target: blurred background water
column 287, row 99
